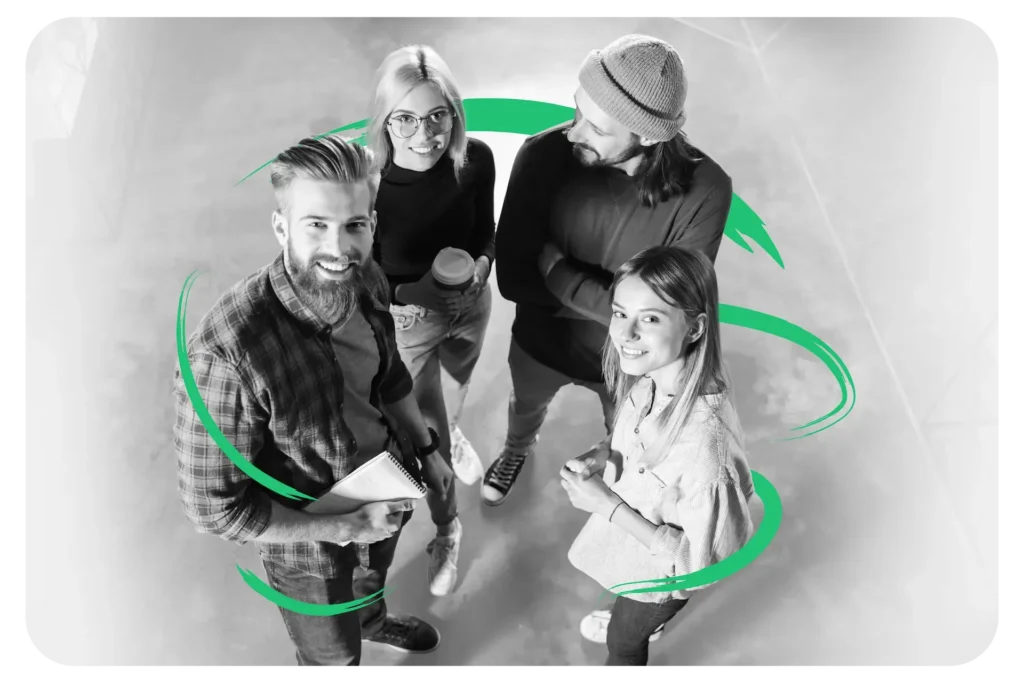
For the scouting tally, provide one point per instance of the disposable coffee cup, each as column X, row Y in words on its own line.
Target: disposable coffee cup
column 453, row 269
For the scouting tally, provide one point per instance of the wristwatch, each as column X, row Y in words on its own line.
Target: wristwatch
column 424, row 451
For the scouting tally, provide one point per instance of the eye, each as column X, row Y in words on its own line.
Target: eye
column 438, row 116
column 357, row 226
column 618, row 314
column 651, row 319
column 318, row 224
column 402, row 119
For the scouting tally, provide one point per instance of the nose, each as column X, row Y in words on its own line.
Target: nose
column 574, row 135
column 423, row 133
column 336, row 243
column 628, row 331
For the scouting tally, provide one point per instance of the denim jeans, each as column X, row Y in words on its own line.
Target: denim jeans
column 534, row 385
column 337, row 640
column 428, row 342
column 631, row 626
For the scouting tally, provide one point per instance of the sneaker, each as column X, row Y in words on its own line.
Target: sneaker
column 501, row 476
column 407, row 634
column 594, row 627
column 465, row 461
column 444, row 556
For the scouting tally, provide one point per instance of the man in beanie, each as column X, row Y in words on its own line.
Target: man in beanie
column 583, row 198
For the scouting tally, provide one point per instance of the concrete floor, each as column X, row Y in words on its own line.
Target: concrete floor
column 868, row 147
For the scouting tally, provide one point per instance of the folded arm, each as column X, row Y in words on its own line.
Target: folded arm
column 589, row 294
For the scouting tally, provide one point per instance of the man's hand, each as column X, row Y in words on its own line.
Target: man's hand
column 436, row 473
column 372, row 522
column 549, row 256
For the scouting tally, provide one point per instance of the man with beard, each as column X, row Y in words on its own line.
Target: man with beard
column 299, row 368
column 582, row 199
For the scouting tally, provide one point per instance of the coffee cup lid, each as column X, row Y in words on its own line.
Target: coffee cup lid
column 453, row 266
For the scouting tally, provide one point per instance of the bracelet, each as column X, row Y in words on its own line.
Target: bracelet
column 614, row 509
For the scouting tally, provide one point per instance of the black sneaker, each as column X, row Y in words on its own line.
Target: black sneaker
column 407, row 634
column 500, row 477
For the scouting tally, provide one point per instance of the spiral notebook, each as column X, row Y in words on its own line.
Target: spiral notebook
column 382, row 478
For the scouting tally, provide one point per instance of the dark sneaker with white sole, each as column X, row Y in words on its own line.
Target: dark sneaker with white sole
column 501, row 477
column 407, row 634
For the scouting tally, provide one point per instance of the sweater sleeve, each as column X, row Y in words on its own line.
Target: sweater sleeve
column 590, row 295
column 714, row 523
column 585, row 294
column 704, row 231
column 483, row 231
column 523, row 229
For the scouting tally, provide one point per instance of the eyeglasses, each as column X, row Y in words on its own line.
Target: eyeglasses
column 406, row 125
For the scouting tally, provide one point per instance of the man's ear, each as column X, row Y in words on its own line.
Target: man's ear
column 647, row 142
column 373, row 222
column 280, row 226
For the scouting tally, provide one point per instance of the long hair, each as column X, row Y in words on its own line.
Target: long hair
column 399, row 73
column 685, row 280
column 667, row 169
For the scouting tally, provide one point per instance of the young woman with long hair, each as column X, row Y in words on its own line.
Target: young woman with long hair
column 669, row 491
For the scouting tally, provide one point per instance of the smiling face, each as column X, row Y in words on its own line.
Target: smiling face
column 430, row 141
column 326, row 228
column 649, row 335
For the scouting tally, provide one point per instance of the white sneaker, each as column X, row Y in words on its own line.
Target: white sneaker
column 594, row 627
column 465, row 461
column 443, row 571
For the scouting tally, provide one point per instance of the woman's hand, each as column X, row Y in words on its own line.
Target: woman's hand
column 481, row 272
column 587, row 492
column 427, row 294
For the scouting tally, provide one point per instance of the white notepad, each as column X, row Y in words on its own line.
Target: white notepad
column 382, row 478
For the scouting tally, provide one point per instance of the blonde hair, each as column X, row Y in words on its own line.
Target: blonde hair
column 685, row 280
column 399, row 73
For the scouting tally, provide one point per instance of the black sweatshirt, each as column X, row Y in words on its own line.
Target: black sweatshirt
column 419, row 213
column 594, row 216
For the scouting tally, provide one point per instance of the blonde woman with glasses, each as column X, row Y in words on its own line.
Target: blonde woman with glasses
column 435, row 244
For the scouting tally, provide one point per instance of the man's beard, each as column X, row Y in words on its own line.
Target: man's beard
column 331, row 300
column 599, row 162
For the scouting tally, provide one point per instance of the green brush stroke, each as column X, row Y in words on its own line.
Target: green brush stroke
column 762, row 322
column 204, row 414
column 307, row 608
column 730, row 565
column 529, row 117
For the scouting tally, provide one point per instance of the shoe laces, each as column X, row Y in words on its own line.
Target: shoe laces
column 506, row 469
column 395, row 630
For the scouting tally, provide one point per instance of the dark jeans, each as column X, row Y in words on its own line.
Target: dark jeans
column 631, row 626
column 337, row 640
column 534, row 386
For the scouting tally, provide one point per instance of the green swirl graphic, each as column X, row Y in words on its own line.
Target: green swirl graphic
column 528, row 117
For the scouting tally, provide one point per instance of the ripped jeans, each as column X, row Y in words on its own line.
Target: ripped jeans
column 427, row 342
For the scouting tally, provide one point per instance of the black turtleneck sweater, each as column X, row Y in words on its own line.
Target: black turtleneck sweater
column 419, row 213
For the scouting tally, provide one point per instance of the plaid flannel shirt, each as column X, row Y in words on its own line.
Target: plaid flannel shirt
column 266, row 370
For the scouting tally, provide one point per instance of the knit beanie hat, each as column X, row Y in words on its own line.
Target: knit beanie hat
column 638, row 81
